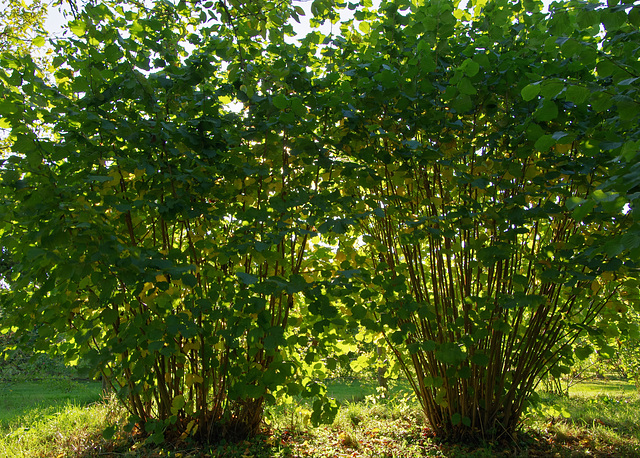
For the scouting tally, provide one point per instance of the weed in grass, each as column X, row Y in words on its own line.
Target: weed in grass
column 354, row 413
column 289, row 416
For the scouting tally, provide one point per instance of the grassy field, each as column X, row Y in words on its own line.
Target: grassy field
column 64, row 418
column 20, row 400
column 603, row 387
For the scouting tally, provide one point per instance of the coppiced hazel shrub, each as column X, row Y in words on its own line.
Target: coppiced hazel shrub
column 198, row 207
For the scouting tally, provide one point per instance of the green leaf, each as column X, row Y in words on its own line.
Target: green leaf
column 601, row 101
column 298, row 107
column 634, row 16
column 465, row 86
column 544, row 143
column 324, row 411
column 480, row 359
column 281, row 102
column 628, row 109
column 582, row 210
column 583, row 352
column 550, row 89
column 450, row 353
column 560, row 23
column 577, row 94
column 630, row 150
column 470, row 67
column 189, row 280
column 109, row 432
column 78, row 27
column 571, row 47
column 246, row 278
column 628, row 81
column 530, row 91
column 462, row 103
column 573, row 202
column 177, row 404
column 38, row 41
column 296, row 284
column 109, row 316
column 429, row 345
column 547, row 112
column 613, row 19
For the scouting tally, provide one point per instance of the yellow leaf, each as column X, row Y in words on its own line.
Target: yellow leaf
column 177, row 404
column 437, row 201
column 607, row 276
column 563, row 148
column 460, row 14
column 191, row 379
column 192, row 346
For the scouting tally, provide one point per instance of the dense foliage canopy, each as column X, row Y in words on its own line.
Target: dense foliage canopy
column 203, row 210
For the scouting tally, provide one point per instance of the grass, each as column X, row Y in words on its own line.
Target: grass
column 596, row 387
column 22, row 399
column 601, row 419
column 599, row 422
column 51, row 414
column 351, row 389
column 69, row 430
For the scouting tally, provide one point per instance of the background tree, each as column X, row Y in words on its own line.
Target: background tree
column 21, row 25
column 21, row 30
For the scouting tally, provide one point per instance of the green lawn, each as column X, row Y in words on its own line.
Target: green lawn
column 351, row 389
column 595, row 387
column 21, row 401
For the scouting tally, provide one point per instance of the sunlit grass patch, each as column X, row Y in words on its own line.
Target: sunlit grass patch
column 352, row 389
column 70, row 430
column 595, row 387
column 603, row 425
column 22, row 400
